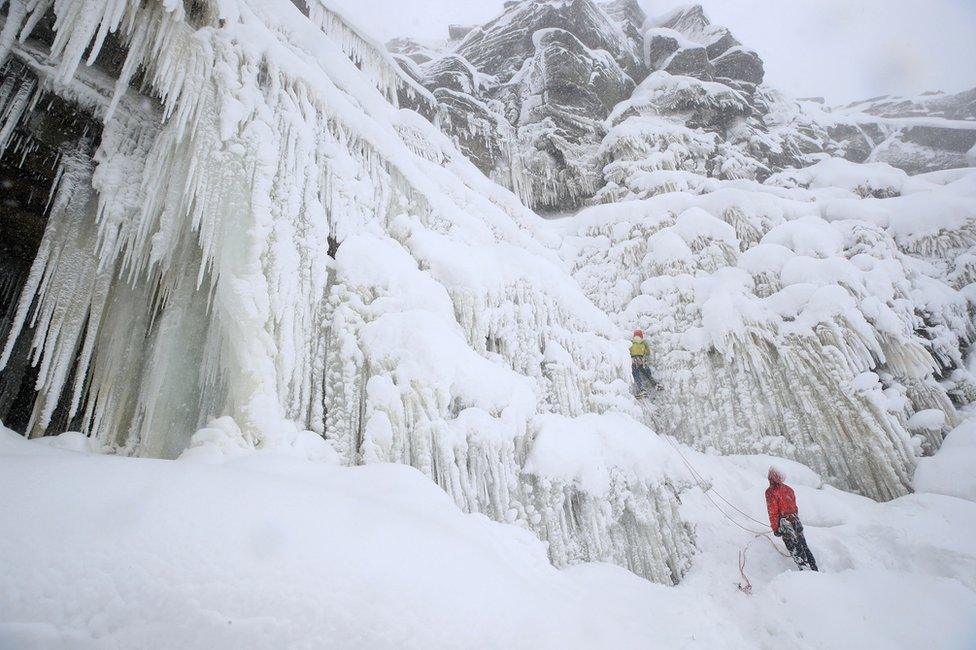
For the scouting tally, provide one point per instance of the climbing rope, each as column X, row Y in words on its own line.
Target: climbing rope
column 707, row 489
column 745, row 586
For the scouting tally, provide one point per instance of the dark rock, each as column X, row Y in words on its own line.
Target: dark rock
column 958, row 106
column 740, row 63
column 659, row 49
column 723, row 42
column 501, row 46
column 411, row 49
column 630, row 17
column 691, row 62
column 479, row 132
column 690, row 21
column 628, row 14
column 575, row 78
column 850, row 142
column 947, row 139
column 451, row 72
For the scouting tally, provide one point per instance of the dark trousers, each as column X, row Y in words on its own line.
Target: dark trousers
column 796, row 543
column 643, row 380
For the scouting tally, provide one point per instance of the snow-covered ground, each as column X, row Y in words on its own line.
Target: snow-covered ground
column 269, row 551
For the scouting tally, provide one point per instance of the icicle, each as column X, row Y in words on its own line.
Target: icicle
column 210, row 249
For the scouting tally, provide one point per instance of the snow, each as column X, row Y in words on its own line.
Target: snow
column 867, row 178
column 950, row 471
column 268, row 552
column 265, row 550
column 591, row 450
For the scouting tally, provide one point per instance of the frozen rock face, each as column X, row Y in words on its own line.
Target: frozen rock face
column 739, row 64
column 259, row 245
column 557, row 102
column 960, row 106
column 917, row 134
column 811, row 323
column 501, row 46
column 550, row 72
column 551, row 125
column 718, row 51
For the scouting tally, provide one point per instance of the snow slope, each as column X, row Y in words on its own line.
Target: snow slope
column 271, row 551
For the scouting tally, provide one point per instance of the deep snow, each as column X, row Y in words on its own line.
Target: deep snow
column 272, row 551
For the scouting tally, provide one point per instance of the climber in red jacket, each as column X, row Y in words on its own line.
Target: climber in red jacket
column 785, row 521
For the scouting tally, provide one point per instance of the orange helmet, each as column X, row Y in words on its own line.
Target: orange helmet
column 639, row 333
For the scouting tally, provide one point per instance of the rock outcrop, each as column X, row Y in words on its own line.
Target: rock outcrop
column 552, row 97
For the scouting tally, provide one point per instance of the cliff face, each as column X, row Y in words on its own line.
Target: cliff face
column 562, row 84
column 766, row 245
column 235, row 239
column 229, row 235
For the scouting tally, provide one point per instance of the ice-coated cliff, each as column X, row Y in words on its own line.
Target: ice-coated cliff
column 246, row 225
column 534, row 98
column 247, row 238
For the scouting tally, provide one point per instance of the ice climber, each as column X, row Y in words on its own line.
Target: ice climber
column 640, row 363
column 785, row 520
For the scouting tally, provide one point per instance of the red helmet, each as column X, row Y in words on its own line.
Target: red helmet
column 639, row 333
column 775, row 476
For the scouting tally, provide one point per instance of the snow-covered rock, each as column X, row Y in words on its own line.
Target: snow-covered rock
column 537, row 129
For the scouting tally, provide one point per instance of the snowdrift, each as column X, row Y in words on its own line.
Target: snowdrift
column 267, row 551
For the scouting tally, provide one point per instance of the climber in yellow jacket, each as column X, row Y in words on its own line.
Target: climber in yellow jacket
column 640, row 363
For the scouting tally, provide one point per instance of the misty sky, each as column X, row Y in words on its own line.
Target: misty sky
column 841, row 49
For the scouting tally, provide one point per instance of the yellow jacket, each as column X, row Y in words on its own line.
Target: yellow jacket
column 638, row 348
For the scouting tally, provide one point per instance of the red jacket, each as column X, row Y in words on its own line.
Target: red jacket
column 780, row 501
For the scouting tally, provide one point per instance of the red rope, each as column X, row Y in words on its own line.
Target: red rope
column 746, row 585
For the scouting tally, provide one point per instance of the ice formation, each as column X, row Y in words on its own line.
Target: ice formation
column 245, row 233
column 256, row 231
column 814, row 325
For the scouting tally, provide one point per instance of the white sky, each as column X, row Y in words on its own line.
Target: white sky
column 842, row 49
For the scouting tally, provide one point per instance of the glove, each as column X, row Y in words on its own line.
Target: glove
column 778, row 533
